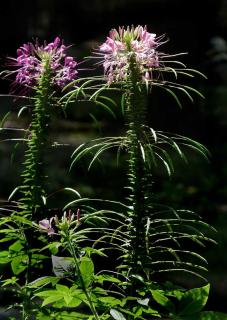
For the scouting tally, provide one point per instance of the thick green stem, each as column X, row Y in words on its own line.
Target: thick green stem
column 33, row 188
column 138, row 174
column 34, row 180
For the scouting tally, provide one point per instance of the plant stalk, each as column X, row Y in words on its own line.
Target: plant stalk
column 138, row 174
column 91, row 305
column 33, row 188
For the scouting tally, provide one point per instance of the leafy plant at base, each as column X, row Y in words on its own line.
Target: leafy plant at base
column 82, row 287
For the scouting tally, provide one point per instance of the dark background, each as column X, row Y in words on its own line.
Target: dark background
column 198, row 27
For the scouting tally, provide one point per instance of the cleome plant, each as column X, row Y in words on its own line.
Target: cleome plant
column 52, row 257
column 39, row 71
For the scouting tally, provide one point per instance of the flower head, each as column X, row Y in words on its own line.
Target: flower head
column 30, row 62
column 46, row 226
column 68, row 220
column 121, row 45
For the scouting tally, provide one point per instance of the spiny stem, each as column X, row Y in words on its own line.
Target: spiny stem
column 137, row 172
column 33, row 188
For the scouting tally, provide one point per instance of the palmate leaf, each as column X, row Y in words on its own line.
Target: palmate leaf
column 105, row 107
column 95, row 148
column 110, row 203
column 175, row 140
column 67, row 297
column 171, row 92
column 175, row 228
column 176, row 264
column 90, row 88
column 177, row 254
column 96, row 226
column 156, row 148
column 173, row 88
column 167, row 234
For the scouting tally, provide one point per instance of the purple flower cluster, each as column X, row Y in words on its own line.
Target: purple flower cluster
column 119, row 47
column 67, row 220
column 31, row 59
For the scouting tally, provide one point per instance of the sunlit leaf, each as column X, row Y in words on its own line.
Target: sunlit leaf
column 117, row 315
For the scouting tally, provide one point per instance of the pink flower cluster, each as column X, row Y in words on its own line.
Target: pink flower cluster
column 31, row 58
column 121, row 45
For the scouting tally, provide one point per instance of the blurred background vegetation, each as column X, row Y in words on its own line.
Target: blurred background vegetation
column 198, row 27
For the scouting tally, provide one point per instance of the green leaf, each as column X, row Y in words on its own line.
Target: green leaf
column 73, row 191
column 13, row 193
column 74, row 302
column 109, row 100
column 194, row 300
column 42, row 316
column 176, row 293
column 40, row 282
column 10, row 281
column 89, row 251
column 106, row 107
column 87, row 270
column 153, row 312
column 174, row 96
column 110, row 301
column 38, row 258
column 116, row 314
column 51, row 299
column 78, row 294
column 22, row 220
column 62, row 297
column 19, row 264
column 138, row 277
column 123, row 103
column 161, row 299
column 63, row 289
column 4, row 257
column 16, row 246
column 105, row 277
column 53, row 247
column 48, row 293
column 21, row 111
column 68, row 298
column 5, row 118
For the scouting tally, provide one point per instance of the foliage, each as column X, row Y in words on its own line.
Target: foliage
column 144, row 237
